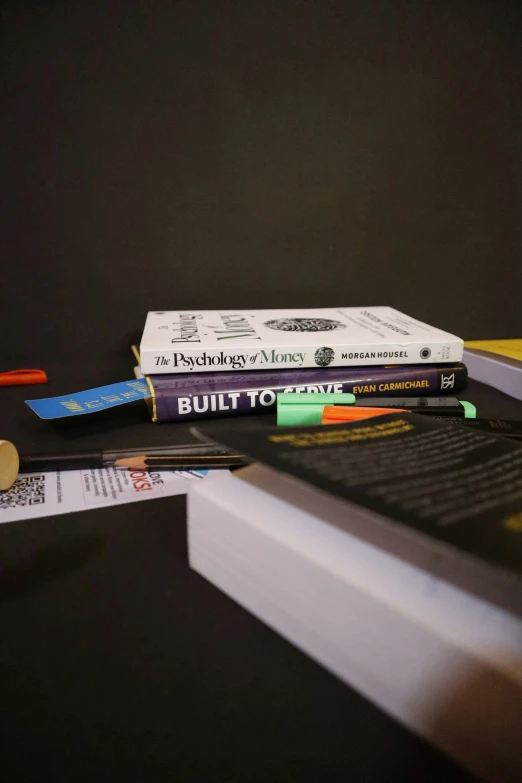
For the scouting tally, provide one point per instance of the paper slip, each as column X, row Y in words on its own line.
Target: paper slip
column 46, row 494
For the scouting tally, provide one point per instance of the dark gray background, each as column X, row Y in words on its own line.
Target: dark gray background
column 259, row 154
column 217, row 154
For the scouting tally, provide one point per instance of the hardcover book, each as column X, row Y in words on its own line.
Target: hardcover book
column 339, row 581
column 236, row 340
column 211, row 395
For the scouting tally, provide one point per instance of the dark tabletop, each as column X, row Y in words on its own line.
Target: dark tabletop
column 221, row 155
column 118, row 661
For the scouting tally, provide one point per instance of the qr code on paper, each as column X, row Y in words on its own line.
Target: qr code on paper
column 26, row 491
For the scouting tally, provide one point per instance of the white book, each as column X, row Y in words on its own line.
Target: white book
column 238, row 340
column 441, row 660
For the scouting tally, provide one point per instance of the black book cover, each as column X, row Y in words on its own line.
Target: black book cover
column 450, row 497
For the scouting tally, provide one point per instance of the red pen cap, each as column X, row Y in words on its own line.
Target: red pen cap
column 22, row 377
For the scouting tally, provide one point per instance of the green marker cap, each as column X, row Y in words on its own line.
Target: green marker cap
column 295, row 409
column 470, row 412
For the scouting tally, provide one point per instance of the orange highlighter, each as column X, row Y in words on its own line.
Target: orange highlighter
column 338, row 414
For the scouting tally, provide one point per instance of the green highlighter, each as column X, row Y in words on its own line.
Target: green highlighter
column 300, row 409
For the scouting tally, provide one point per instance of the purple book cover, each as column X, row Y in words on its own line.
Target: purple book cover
column 211, row 395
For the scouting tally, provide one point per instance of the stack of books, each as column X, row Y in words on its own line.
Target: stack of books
column 389, row 549
column 227, row 363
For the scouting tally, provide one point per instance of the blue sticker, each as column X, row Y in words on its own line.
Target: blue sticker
column 91, row 400
column 193, row 474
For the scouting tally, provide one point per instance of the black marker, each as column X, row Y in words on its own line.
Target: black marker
column 432, row 406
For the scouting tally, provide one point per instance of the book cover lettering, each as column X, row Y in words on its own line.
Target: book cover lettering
column 210, row 395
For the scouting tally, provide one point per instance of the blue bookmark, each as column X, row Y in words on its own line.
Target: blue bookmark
column 90, row 401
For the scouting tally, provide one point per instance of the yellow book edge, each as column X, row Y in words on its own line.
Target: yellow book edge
column 151, row 402
column 511, row 349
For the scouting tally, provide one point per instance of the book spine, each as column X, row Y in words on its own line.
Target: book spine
column 296, row 357
column 174, row 404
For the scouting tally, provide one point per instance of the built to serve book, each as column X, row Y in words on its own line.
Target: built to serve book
column 390, row 550
column 186, row 397
column 236, row 340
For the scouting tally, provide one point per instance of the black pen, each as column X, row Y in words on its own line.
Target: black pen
column 183, row 457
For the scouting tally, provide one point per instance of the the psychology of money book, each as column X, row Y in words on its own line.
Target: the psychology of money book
column 242, row 340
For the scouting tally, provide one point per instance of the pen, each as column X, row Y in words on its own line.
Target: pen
column 183, row 457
